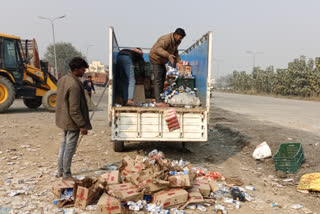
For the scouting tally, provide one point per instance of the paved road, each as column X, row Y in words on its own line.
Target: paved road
column 297, row 114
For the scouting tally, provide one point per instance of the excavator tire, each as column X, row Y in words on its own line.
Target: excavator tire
column 49, row 100
column 32, row 103
column 7, row 93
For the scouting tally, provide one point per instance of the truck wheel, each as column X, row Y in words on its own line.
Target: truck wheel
column 118, row 146
column 7, row 93
column 32, row 103
column 49, row 100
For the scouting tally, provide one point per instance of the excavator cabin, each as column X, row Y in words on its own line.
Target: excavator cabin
column 19, row 79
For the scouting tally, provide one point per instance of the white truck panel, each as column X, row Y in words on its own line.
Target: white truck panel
column 148, row 124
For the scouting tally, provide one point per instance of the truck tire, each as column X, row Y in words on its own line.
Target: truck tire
column 32, row 103
column 118, row 146
column 7, row 93
column 49, row 100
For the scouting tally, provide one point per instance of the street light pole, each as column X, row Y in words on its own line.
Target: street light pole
column 87, row 52
column 254, row 54
column 218, row 66
column 54, row 39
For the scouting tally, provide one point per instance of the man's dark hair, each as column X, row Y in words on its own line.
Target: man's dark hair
column 180, row 32
column 77, row 63
column 89, row 76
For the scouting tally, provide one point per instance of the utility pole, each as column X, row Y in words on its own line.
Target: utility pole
column 254, row 54
column 218, row 66
column 54, row 39
column 87, row 52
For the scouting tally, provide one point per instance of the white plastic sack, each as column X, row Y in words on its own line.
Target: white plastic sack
column 183, row 99
column 262, row 151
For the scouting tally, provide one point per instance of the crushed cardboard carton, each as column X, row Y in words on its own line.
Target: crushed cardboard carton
column 179, row 181
column 203, row 186
column 87, row 192
column 193, row 198
column 108, row 205
column 108, row 178
column 126, row 192
column 171, row 197
column 213, row 186
column 60, row 186
column 149, row 187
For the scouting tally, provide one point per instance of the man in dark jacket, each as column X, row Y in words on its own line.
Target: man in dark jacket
column 164, row 50
column 89, row 86
column 130, row 66
column 72, row 114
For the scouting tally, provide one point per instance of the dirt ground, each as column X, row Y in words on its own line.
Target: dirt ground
column 29, row 144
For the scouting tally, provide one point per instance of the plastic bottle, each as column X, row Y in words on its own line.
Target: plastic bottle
column 201, row 208
column 238, row 204
column 250, row 188
column 228, row 200
column 220, row 209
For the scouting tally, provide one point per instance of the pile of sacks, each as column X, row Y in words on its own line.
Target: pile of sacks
column 149, row 184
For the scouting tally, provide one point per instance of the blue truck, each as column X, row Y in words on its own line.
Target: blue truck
column 146, row 124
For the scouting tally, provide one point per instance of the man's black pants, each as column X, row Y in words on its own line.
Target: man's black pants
column 159, row 72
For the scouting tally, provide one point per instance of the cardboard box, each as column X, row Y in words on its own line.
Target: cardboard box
column 126, row 192
column 130, row 167
column 213, row 186
column 59, row 186
column 193, row 198
column 171, row 197
column 87, row 192
column 110, row 177
column 184, row 70
column 179, row 181
column 149, row 187
column 203, row 186
column 108, row 205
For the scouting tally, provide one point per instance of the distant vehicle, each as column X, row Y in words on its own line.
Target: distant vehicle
column 18, row 79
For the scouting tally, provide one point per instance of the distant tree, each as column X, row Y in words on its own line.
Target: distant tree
column 65, row 52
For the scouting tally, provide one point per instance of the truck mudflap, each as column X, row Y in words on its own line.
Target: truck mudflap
column 148, row 124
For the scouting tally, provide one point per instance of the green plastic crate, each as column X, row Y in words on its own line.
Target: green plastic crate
column 289, row 157
column 186, row 82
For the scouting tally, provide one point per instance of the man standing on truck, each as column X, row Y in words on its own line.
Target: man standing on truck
column 72, row 114
column 88, row 85
column 130, row 67
column 164, row 50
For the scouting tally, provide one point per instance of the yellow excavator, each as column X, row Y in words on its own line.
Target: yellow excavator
column 18, row 79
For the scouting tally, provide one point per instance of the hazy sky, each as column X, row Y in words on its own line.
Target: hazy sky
column 281, row 29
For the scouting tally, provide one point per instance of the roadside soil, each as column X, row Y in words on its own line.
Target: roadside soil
column 29, row 144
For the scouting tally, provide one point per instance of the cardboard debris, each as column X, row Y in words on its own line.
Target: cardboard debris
column 193, row 198
column 153, row 178
column 87, row 192
column 171, row 197
column 203, row 186
column 179, row 181
column 108, row 205
column 126, row 192
column 130, row 167
column 112, row 177
column 59, row 186
column 149, row 187
column 213, row 186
